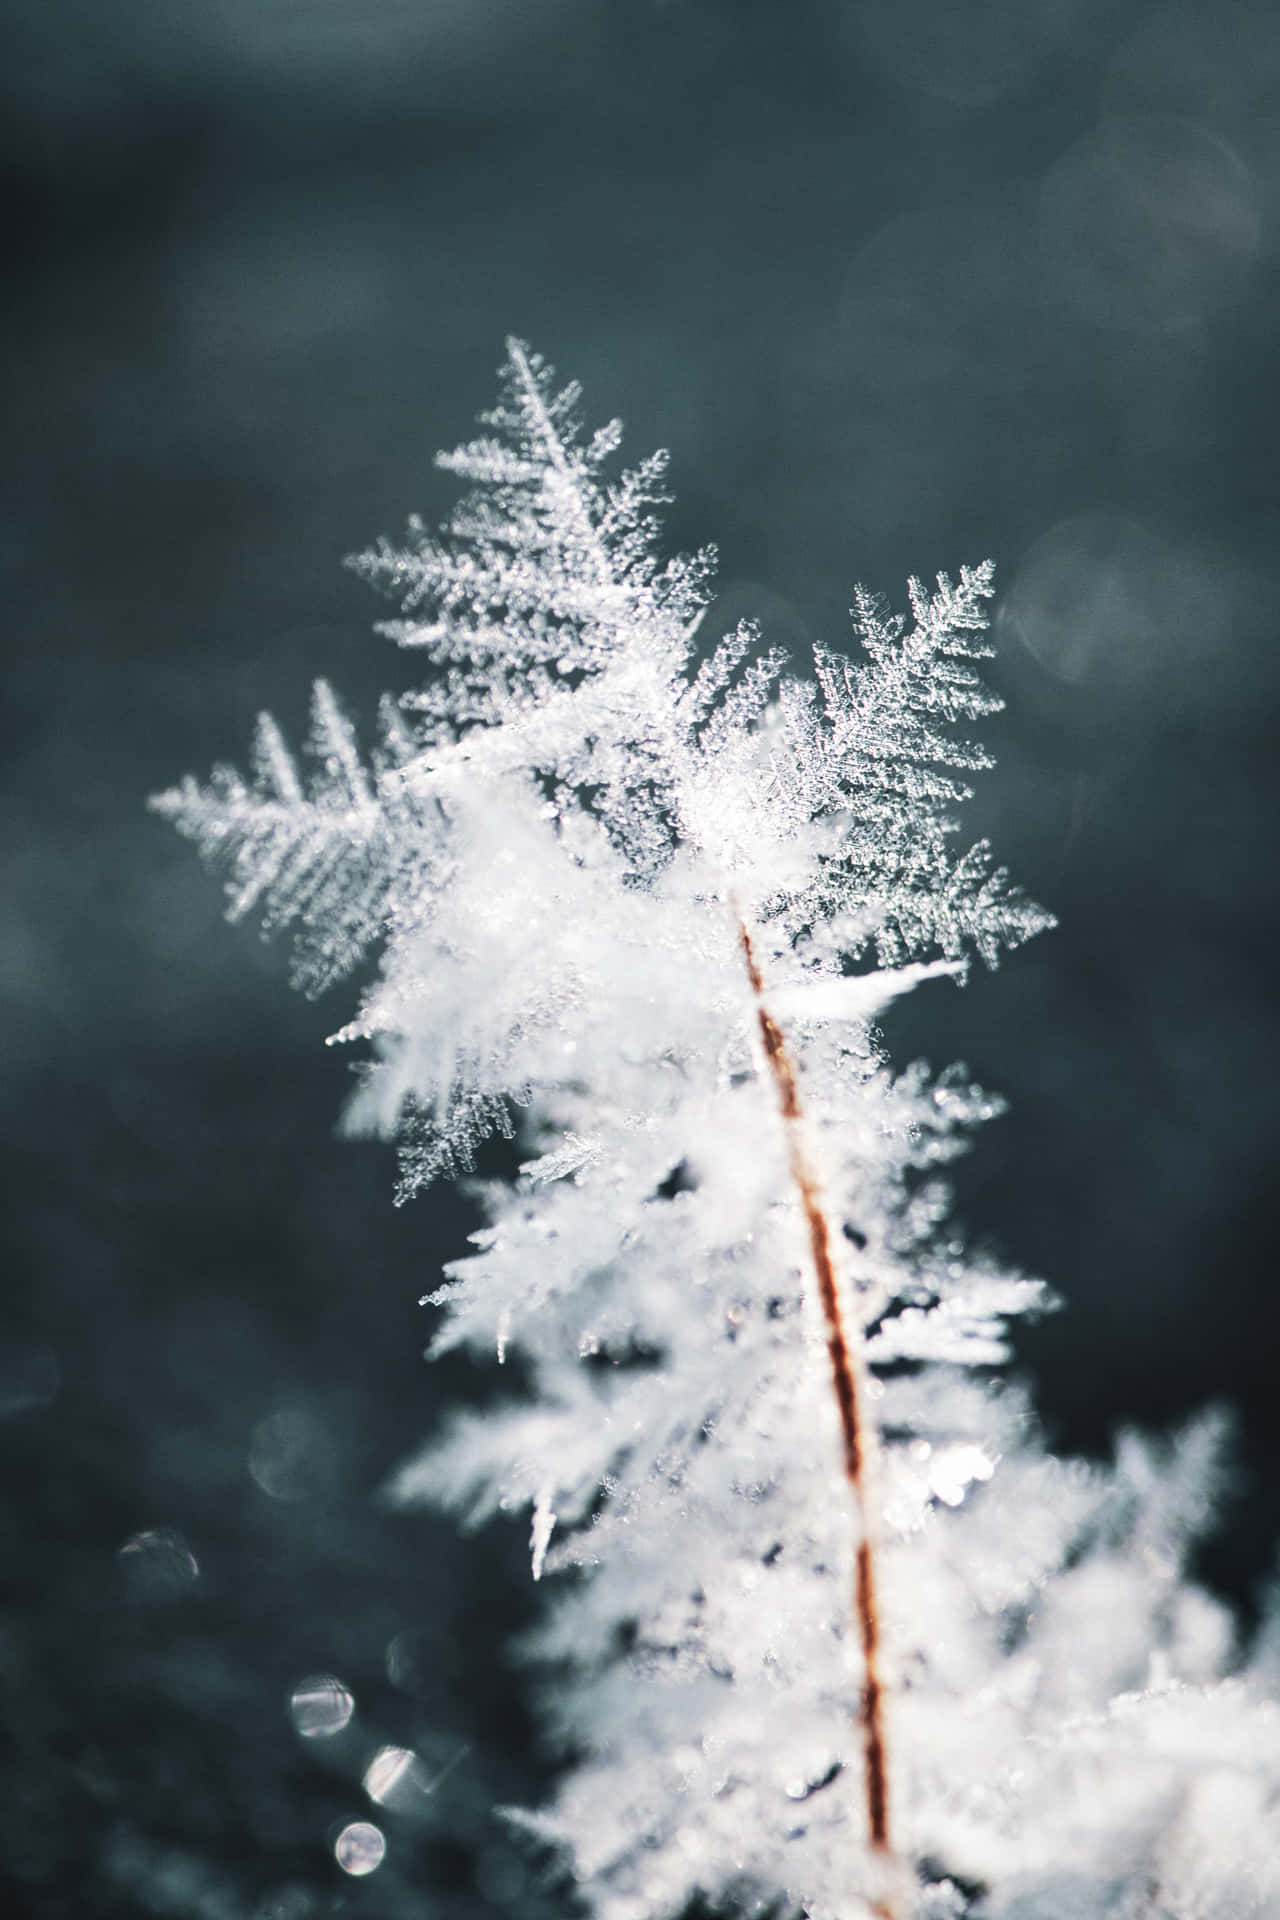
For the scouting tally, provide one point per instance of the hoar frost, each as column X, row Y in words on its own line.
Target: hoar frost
column 640, row 898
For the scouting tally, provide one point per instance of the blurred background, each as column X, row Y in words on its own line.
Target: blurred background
column 901, row 283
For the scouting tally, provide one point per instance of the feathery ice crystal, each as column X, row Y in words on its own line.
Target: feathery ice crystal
column 841, row 1639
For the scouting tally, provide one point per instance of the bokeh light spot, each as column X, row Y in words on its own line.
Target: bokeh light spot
column 158, row 1565
column 395, row 1777
column 291, row 1457
column 360, row 1848
column 1147, row 224
column 321, row 1706
column 955, row 1469
column 1104, row 601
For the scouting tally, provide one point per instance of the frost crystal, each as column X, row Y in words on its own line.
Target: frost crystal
column 626, row 892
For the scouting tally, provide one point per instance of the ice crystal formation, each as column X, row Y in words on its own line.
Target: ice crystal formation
column 838, row 1636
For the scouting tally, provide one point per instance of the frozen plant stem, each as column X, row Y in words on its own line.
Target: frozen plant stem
column 857, row 1435
column 566, row 844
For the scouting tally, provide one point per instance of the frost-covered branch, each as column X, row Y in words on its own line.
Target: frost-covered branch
column 624, row 898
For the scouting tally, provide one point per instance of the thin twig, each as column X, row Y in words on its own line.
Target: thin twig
column 857, row 1435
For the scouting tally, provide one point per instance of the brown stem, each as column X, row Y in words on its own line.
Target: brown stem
column 856, row 1434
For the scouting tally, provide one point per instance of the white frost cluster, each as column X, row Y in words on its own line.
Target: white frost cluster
column 556, row 850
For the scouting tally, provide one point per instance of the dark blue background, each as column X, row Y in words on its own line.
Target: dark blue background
column 901, row 285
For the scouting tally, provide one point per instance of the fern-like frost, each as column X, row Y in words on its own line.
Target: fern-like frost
column 561, row 850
